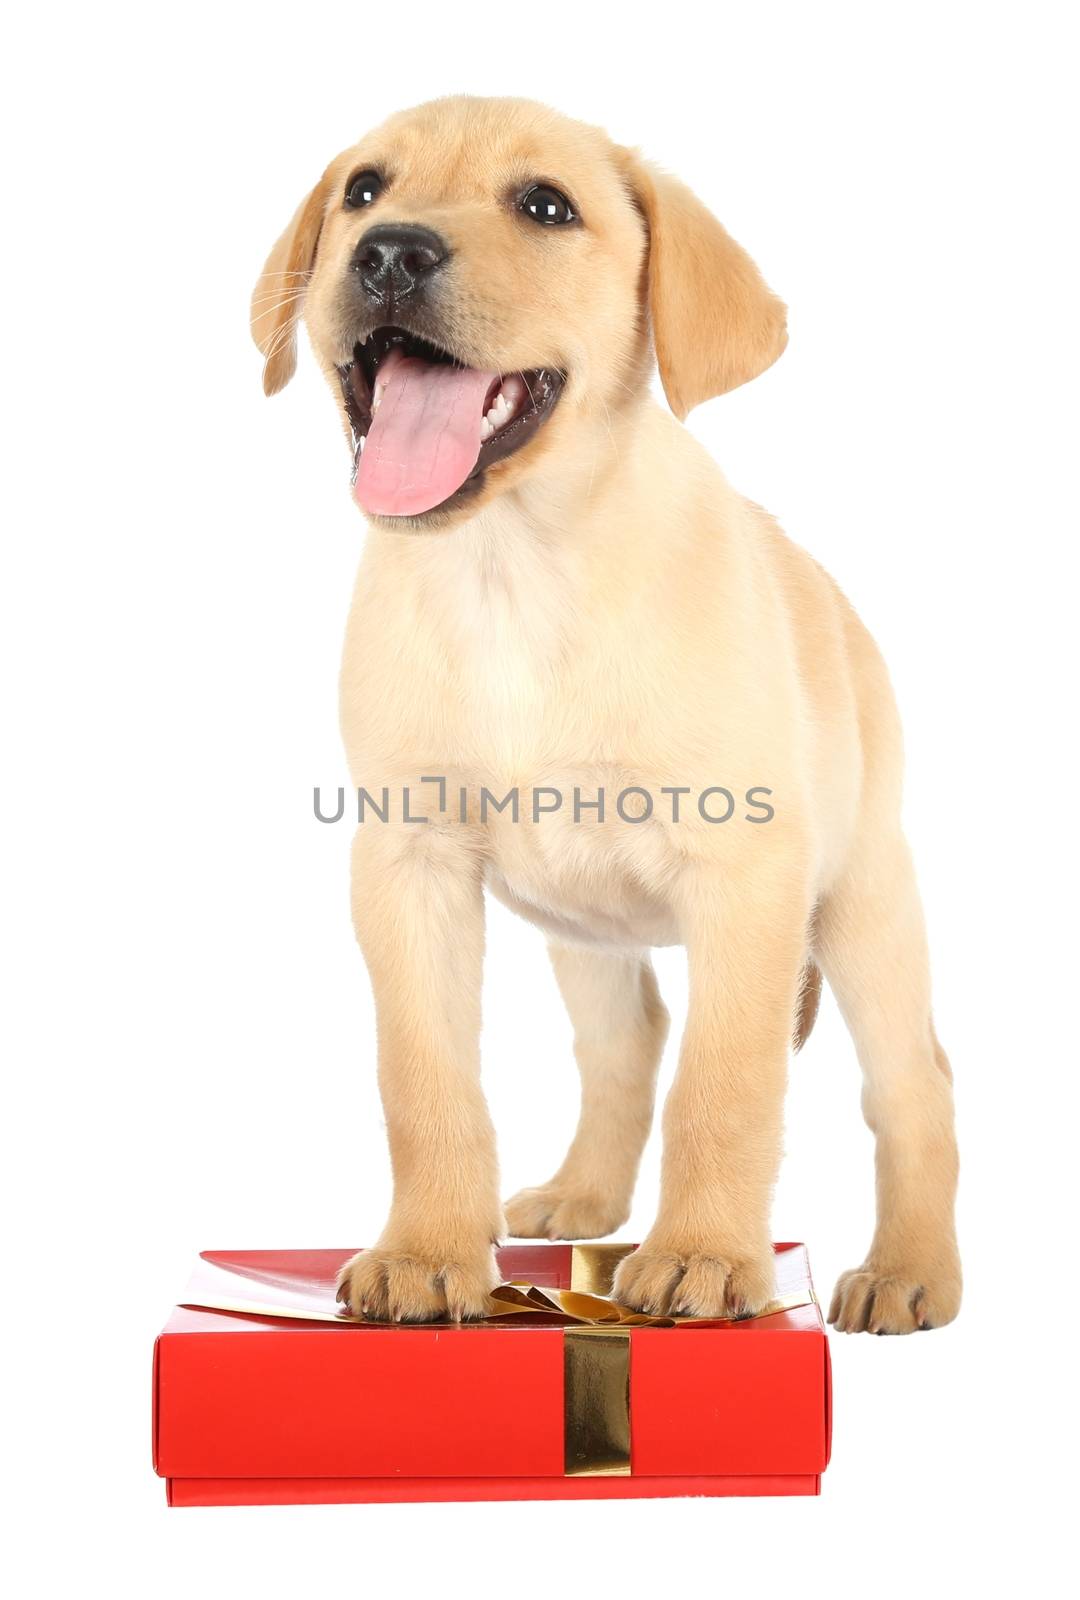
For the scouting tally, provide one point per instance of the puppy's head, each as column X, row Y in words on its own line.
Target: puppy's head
column 479, row 279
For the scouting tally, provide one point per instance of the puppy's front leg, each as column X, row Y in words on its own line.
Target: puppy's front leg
column 709, row 1253
column 418, row 913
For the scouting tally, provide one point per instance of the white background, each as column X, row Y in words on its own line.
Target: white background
column 191, row 1060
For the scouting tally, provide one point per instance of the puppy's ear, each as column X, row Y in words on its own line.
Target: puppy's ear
column 715, row 322
column 278, row 298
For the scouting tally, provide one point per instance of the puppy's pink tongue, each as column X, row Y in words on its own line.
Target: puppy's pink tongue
column 424, row 438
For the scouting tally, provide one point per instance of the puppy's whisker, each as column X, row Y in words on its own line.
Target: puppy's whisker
column 261, row 313
column 610, row 430
column 277, row 300
column 281, row 338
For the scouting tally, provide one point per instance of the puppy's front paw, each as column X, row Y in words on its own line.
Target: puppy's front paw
column 401, row 1285
column 693, row 1283
column 872, row 1299
column 552, row 1212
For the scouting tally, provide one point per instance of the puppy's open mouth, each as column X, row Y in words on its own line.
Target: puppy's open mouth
column 424, row 425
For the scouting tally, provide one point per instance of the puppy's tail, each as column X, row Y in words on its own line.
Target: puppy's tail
column 806, row 1008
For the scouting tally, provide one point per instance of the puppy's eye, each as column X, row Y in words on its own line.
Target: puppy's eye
column 363, row 189
column 548, row 206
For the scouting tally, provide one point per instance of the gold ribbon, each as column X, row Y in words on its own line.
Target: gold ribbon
column 593, row 1266
column 596, row 1403
column 596, row 1340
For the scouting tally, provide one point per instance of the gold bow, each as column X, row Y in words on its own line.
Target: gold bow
column 588, row 1304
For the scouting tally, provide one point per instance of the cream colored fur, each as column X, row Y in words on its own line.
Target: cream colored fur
column 607, row 612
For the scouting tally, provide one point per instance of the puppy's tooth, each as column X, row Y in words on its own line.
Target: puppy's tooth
column 486, row 431
column 363, row 442
column 513, row 391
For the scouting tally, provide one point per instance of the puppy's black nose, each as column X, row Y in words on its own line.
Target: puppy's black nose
column 396, row 259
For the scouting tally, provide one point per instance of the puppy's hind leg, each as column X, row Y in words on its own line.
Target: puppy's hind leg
column 620, row 1025
column 871, row 944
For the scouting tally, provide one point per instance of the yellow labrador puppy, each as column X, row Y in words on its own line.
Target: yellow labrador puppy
column 583, row 672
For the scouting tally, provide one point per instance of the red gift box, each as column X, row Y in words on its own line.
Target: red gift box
column 274, row 1396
